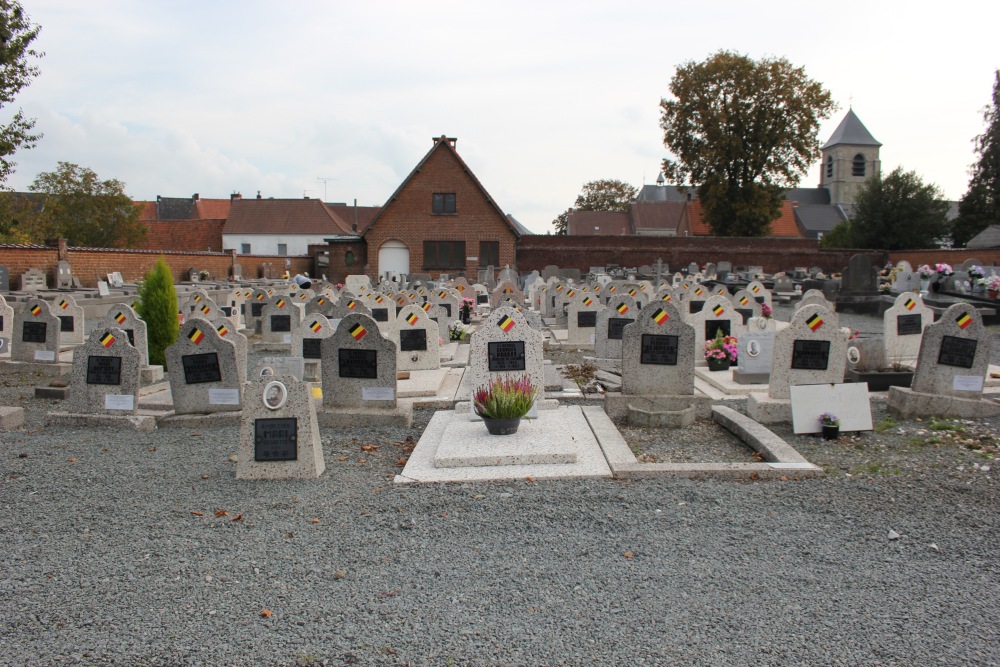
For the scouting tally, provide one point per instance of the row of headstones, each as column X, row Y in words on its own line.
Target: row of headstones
column 40, row 328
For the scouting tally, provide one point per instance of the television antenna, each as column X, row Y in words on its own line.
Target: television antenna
column 324, row 181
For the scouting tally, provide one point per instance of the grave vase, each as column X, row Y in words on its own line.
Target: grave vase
column 717, row 364
column 502, row 426
column 924, row 285
column 935, row 286
column 992, row 293
column 465, row 316
column 831, row 432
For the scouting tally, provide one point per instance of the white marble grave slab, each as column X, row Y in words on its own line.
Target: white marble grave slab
column 850, row 402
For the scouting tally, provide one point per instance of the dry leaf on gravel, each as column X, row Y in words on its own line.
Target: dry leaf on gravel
column 221, row 513
column 265, row 613
column 238, row 517
column 198, row 513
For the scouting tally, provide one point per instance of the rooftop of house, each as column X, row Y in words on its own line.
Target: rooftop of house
column 598, row 223
column 284, row 216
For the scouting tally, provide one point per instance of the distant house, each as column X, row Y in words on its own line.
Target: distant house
column 439, row 220
column 988, row 238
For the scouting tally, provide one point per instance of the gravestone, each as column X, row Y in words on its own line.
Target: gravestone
column 105, row 375
column 359, row 366
column 505, row 346
column 307, row 342
column 755, row 351
column 746, row 305
column 345, row 306
column 581, row 321
column 71, row 320
column 718, row 314
column 658, row 353
column 33, row 280
column 279, row 433
column 761, row 294
column 698, row 296
column 611, row 322
column 4, row 279
column 784, row 285
column 321, row 304
column 226, row 328
column 36, row 335
column 6, row 325
column 204, row 376
column 811, row 350
column 416, row 337
column 64, row 275
column 102, row 288
column 448, row 302
column 504, row 290
column 279, row 318
column 124, row 318
column 903, row 327
column 254, row 310
column 905, row 281
column 357, row 282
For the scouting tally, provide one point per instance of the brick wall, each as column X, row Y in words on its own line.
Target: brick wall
column 338, row 268
column 408, row 217
column 774, row 254
column 191, row 235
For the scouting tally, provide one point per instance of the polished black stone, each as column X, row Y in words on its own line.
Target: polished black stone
column 104, row 370
column 201, row 368
column 659, row 350
column 957, row 352
column 276, row 439
column 412, row 340
column 586, row 319
column 506, row 355
column 360, row 364
column 34, row 332
column 909, row 325
column 811, row 355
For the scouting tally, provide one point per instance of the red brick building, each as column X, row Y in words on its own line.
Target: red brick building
column 440, row 220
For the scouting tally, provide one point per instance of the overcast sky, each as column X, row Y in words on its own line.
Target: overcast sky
column 180, row 97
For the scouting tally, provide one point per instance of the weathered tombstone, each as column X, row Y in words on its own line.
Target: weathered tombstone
column 784, row 285
column 717, row 315
column 226, row 328
column 658, row 353
column 903, row 328
column 105, row 375
column 279, row 433
column 64, row 275
column 482, row 295
column 416, row 337
column 307, row 342
column 255, row 309
column 581, row 321
column 34, row 280
column 321, row 304
column 359, row 366
column 698, row 296
column 746, row 305
column 102, row 288
column 356, row 282
column 505, row 290
column 448, row 302
column 347, row 305
column 692, row 268
column 124, row 318
column 811, row 350
column 4, row 279
column 204, row 376
column 71, row 320
column 279, row 318
column 755, row 351
column 36, row 333
column 905, row 281
column 505, row 346
column 611, row 323
column 6, row 325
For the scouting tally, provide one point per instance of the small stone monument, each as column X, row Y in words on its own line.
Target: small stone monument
column 204, row 376
column 307, row 341
column 279, row 318
column 105, row 375
column 124, row 318
column 36, row 333
column 71, row 320
column 34, row 280
column 505, row 346
column 581, row 321
column 416, row 338
column 611, row 323
column 64, row 275
column 903, row 328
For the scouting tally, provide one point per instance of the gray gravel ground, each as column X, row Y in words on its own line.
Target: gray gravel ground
column 117, row 551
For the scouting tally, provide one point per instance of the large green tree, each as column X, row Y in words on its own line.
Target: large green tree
column 897, row 212
column 602, row 195
column 87, row 211
column 980, row 206
column 741, row 131
column 16, row 72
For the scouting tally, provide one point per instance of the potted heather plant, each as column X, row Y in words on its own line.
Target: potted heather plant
column 504, row 402
column 831, row 425
column 720, row 352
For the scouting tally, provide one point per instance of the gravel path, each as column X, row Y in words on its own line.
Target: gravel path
column 146, row 550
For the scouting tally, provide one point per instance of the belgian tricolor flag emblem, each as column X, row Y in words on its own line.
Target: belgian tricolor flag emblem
column 632, row 292
column 260, row 297
column 506, row 323
column 379, row 299
column 910, row 304
column 205, row 309
column 358, row 331
column 36, row 310
column 814, row 322
column 744, row 301
column 721, row 291
column 587, row 301
column 64, row 304
column 321, row 301
column 559, row 288
column 755, row 289
column 315, row 326
column 107, row 340
column 698, row 291
column 597, row 288
column 507, row 290
column 442, row 294
column 612, row 288
column 197, row 298
column 426, row 306
column 352, row 304
column 120, row 318
column 222, row 330
column 281, row 303
column 660, row 316
column 666, row 297
column 571, row 292
column 622, row 308
column 963, row 320
column 411, row 319
column 460, row 287
column 196, row 336
column 718, row 310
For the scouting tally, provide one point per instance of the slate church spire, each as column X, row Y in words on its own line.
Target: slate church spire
column 850, row 157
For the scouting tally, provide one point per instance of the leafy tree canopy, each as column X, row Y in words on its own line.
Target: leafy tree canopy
column 742, row 130
column 895, row 212
column 980, row 206
column 16, row 35
column 602, row 195
column 87, row 211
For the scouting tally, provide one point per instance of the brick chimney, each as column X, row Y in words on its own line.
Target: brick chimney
column 195, row 197
column 236, row 196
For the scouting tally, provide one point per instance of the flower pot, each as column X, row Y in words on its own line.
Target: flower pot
column 501, row 426
column 831, row 432
column 992, row 293
column 717, row 364
column 466, row 316
column 924, row 284
column 935, row 286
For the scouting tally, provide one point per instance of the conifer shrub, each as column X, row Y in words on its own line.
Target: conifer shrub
column 157, row 306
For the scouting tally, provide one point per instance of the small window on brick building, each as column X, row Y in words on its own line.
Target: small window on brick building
column 858, row 165
column 244, row 248
column 443, row 203
column 829, row 166
column 489, row 253
column 444, row 254
column 282, row 248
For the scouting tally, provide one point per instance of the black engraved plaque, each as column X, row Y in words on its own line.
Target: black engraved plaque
column 811, row 355
column 256, row 309
column 760, row 299
column 712, row 327
column 695, row 306
column 361, row 364
column 616, row 325
column 659, row 350
column 412, row 340
column 227, row 310
column 380, row 314
column 747, row 313
column 482, row 298
column 104, row 370
column 276, row 439
column 311, row 347
column 909, row 325
column 243, row 309
column 131, row 336
column 957, row 352
column 447, row 309
column 201, row 368
column 66, row 323
column 553, row 301
column 506, row 355
column 586, row 319
column 280, row 323
column 34, row 332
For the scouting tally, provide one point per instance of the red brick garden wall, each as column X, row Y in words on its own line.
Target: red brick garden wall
column 191, row 235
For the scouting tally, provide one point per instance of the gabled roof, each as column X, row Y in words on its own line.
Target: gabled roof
column 783, row 226
column 988, row 238
column 817, row 218
column 657, row 217
column 851, row 131
column 444, row 143
column 213, row 209
column 283, row 216
column 147, row 210
column 598, row 223
column 347, row 213
column 808, row 196
column 524, row 231
column 175, row 208
column 663, row 193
